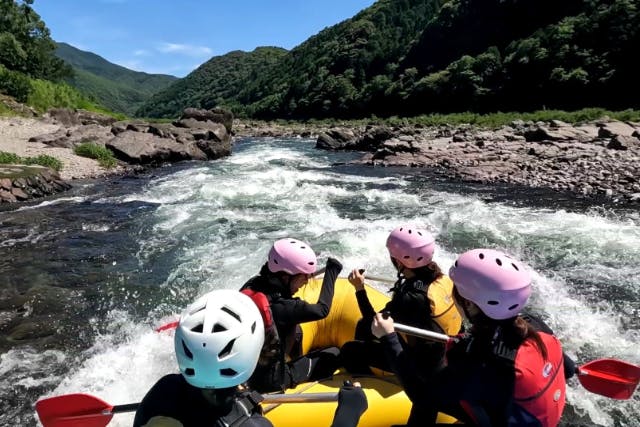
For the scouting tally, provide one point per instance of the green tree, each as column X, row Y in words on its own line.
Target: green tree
column 25, row 42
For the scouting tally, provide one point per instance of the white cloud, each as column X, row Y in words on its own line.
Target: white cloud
column 185, row 49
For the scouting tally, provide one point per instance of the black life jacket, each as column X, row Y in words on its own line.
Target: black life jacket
column 247, row 404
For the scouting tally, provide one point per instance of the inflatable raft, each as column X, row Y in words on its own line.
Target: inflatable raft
column 388, row 404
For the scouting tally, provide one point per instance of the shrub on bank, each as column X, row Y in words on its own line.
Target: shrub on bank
column 42, row 160
column 93, row 151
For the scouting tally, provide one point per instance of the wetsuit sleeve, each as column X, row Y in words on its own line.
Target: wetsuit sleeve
column 294, row 311
column 352, row 402
column 366, row 309
column 402, row 365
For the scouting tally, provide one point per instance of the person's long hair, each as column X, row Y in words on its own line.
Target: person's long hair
column 514, row 331
column 429, row 273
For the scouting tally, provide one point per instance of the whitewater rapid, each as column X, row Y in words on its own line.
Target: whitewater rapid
column 193, row 228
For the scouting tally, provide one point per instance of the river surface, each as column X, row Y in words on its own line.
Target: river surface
column 129, row 253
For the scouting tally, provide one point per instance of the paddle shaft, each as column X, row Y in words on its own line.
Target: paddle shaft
column 267, row 398
column 421, row 333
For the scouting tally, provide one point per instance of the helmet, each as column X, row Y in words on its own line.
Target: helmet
column 292, row 256
column 411, row 246
column 495, row 282
column 218, row 339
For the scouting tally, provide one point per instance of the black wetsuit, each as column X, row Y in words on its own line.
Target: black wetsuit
column 172, row 396
column 288, row 313
column 409, row 305
column 473, row 382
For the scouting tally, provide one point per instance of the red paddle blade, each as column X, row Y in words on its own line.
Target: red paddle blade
column 74, row 410
column 167, row 326
column 610, row 377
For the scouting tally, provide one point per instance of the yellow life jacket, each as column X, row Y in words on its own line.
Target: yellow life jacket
column 443, row 309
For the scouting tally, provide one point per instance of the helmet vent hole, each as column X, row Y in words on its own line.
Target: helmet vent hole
column 253, row 327
column 232, row 313
column 515, row 266
column 410, row 231
column 419, row 233
column 218, row 328
column 311, row 263
column 189, row 372
column 275, row 261
column 406, row 257
column 493, row 302
column 186, row 350
column 226, row 350
column 499, row 261
column 455, row 263
column 228, row 372
column 481, row 255
column 198, row 328
column 513, row 306
column 420, row 259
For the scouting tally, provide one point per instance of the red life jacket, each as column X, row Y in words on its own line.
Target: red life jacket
column 540, row 384
column 272, row 348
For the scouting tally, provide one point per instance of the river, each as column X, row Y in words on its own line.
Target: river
column 128, row 253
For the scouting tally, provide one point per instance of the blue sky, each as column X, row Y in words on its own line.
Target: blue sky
column 175, row 37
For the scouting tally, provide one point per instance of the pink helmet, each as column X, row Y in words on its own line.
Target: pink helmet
column 411, row 246
column 292, row 256
column 495, row 282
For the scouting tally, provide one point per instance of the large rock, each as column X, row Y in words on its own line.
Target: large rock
column 147, row 148
column 215, row 115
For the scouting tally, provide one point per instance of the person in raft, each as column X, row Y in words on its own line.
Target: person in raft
column 217, row 344
column 504, row 372
column 421, row 298
column 290, row 264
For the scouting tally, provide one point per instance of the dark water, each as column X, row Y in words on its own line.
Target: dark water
column 84, row 277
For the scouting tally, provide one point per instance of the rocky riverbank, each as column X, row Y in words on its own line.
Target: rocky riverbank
column 197, row 135
column 590, row 160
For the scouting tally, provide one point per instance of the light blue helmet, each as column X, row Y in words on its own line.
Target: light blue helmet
column 218, row 340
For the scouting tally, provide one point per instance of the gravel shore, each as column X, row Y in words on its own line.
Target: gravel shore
column 14, row 138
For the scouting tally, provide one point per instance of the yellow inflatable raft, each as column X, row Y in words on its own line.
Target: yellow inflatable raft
column 388, row 404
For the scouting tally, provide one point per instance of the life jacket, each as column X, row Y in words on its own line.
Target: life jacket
column 247, row 403
column 540, row 388
column 272, row 349
column 442, row 307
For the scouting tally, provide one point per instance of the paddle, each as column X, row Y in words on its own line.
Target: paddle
column 607, row 377
column 84, row 410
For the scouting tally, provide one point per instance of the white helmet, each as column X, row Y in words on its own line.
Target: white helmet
column 218, row 339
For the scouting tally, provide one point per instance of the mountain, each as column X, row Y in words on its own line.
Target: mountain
column 412, row 57
column 116, row 87
column 322, row 77
column 215, row 83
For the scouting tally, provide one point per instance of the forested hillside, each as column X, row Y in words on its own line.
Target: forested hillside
column 117, row 88
column 217, row 82
column 409, row 57
column 493, row 55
